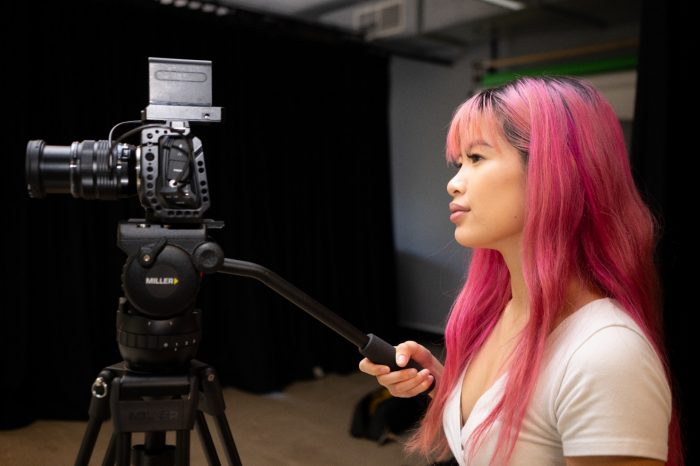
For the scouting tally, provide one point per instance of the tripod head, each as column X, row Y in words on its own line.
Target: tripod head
column 158, row 327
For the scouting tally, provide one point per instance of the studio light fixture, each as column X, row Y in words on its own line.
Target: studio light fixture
column 510, row 4
column 206, row 6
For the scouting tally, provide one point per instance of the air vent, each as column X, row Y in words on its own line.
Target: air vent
column 381, row 19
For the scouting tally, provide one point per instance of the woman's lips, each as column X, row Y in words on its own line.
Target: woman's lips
column 458, row 211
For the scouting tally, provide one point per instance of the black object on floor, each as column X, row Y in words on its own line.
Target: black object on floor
column 379, row 416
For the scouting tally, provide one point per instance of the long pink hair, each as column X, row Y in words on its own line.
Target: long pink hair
column 584, row 219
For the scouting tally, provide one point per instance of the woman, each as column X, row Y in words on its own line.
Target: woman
column 554, row 345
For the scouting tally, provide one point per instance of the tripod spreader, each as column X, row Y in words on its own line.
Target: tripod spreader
column 371, row 346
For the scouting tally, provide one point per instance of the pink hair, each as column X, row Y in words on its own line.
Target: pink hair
column 587, row 221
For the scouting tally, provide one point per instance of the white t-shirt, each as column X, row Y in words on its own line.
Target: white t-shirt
column 602, row 390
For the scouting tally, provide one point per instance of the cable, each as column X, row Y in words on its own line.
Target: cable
column 135, row 130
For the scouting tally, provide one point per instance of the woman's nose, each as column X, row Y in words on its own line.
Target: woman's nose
column 457, row 184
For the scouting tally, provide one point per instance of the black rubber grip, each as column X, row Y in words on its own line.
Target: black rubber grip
column 380, row 352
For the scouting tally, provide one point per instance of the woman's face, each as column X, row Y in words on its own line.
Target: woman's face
column 488, row 196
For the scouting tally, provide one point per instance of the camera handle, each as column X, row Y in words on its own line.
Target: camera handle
column 369, row 345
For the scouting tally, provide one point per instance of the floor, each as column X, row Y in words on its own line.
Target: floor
column 307, row 424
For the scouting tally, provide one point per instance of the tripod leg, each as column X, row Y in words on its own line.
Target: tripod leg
column 109, row 455
column 205, row 439
column 182, row 449
column 124, row 449
column 227, row 438
column 214, row 405
column 98, row 413
column 92, row 431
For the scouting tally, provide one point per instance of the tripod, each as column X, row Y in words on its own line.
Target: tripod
column 159, row 387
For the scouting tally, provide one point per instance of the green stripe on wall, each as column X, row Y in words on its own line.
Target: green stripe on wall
column 576, row 69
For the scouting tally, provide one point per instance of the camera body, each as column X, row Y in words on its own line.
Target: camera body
column 166, row 168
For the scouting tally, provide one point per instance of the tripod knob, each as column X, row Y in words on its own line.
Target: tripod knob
column 208, row 257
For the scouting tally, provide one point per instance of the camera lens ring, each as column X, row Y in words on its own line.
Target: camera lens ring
column 92, row 170
column 74, row 174
column 35, row 150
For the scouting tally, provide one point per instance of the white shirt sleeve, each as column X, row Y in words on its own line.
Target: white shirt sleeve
column 614, row 398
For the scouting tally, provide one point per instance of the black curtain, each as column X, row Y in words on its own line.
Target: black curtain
column 298, row 170
column 664, row 151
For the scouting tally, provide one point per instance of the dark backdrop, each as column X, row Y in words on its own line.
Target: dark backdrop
column 664, row 154
column 299, row 172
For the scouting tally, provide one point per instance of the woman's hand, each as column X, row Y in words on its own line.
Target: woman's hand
column 406, row 383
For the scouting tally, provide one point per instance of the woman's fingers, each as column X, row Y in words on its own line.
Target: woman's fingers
column 368, row 367
column 404, row 383
column 407, row 382
column 411, row 350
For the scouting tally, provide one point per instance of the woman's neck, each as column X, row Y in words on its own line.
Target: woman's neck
column 577, row 293
column 518, row 307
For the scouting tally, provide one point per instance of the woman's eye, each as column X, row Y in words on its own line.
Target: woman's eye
column 474, row 158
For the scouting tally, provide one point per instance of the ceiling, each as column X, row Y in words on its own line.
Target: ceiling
column 439, row 31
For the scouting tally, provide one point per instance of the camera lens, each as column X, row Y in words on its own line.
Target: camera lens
column 86, row 169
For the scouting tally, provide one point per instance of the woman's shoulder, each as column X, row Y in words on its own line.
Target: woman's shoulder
column 610, row 394
column 596, row 316
column 601, row 362
column 601, row 337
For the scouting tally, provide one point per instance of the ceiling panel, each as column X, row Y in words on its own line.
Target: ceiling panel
column 441, row 30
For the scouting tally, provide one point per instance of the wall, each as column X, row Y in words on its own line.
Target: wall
column 430, row 264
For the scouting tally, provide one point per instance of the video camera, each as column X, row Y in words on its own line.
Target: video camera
column 159, row 387
column 158, row 327
column 166, row 169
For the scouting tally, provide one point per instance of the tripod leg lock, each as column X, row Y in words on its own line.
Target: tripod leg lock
column 100, row 388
